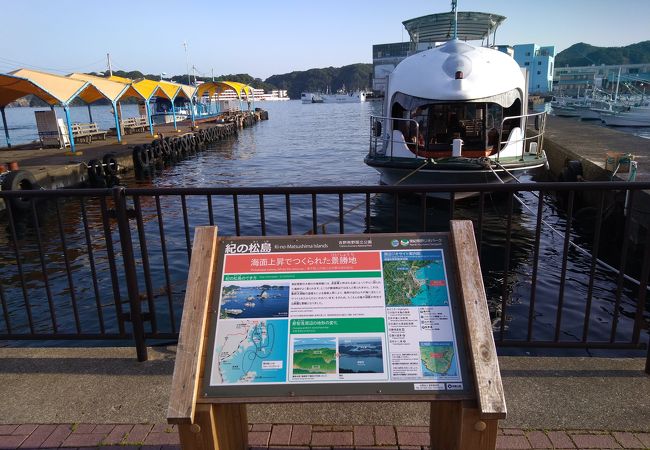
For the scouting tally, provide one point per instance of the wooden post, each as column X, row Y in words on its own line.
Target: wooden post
column 469, row 425
column 457, row 425
column 196, row 424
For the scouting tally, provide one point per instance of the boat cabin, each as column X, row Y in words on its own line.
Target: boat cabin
column 429, row 127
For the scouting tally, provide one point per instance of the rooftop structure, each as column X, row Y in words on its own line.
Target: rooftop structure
column 634, row 78
column 426, row 32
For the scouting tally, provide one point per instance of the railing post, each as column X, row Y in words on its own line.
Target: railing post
column 119, row 198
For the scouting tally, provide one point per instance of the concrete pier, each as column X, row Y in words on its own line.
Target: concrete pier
column 55, row 168
column 570, row 139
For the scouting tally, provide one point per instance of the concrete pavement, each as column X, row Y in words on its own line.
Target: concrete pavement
column 108, row 386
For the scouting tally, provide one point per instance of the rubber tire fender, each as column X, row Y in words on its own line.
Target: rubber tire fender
column 19, row 180
column 95, row 170
column 110, row 164
column 140, row 157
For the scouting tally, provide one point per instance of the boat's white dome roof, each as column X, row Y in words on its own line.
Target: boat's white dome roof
column 432, row 74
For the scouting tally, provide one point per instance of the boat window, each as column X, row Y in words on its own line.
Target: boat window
column 441, row 123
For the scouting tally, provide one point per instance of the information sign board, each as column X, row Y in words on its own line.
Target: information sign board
column 336, row 315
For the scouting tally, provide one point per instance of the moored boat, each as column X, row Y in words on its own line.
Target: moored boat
column 635, row 116
column 311, row 97
column 456, row 114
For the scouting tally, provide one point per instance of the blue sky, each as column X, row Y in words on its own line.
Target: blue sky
column 263, row 38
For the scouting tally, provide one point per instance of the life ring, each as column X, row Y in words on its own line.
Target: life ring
column 19, row 180
column 110, row 164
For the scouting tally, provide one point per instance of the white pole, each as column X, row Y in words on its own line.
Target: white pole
column 187, row 63
column 110, row 69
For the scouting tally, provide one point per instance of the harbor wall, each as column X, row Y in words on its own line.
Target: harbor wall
column 571, row 140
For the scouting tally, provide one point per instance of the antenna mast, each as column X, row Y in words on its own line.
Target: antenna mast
column 455, row 11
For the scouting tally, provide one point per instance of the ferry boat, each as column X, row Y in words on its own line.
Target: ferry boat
column 456, row 113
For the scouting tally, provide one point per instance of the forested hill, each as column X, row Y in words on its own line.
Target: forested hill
column 586, row 55
column 353, row 77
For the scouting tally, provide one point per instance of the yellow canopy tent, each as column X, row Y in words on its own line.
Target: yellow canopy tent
column 53, row 89
column 112, row 90
column 173, row 90
column 217, row 88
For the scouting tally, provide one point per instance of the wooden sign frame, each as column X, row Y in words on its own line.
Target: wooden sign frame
column 455, row 424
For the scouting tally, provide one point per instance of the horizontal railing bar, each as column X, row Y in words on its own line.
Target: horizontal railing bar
column 298, row 190
column 566, row 344
column 66, row 336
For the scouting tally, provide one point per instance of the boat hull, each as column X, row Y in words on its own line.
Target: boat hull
column 160, row 119
column 417, row 171
column 623, row 120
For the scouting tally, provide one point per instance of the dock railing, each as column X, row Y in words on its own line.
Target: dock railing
column 111, row 264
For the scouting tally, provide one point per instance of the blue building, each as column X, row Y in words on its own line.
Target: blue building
column 539, row 61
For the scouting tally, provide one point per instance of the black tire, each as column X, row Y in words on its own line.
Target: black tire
column 95, row 171
column 19, row 180
column 140, row 158
column 110, row 164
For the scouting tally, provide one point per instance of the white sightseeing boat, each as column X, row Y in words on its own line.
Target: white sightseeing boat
column 456, row 114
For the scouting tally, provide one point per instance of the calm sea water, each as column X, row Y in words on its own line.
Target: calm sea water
column 305, row 145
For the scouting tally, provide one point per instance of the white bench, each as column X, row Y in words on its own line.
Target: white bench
column 86, row 132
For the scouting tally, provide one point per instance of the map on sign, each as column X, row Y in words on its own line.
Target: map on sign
column 252, row 352
column 438, row 358
column 414, row 278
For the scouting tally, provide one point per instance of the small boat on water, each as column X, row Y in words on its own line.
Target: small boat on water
column 340, row 96
column 456, row 114
column 311, row 97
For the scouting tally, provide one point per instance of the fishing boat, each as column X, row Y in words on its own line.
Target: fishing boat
column 311, row 97
column 456, row 114
column 634, row 116
column 341, row 96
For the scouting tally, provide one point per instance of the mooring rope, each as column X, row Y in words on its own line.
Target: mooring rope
column 323, row 226
column 571, row 243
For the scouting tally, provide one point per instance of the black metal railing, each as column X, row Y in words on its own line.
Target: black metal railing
column 112, row 264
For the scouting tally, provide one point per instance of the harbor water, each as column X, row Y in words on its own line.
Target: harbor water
column 322, row 145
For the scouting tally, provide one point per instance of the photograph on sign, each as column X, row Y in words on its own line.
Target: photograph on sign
column 342, row 314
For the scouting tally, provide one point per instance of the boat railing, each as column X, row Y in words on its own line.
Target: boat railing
column 381, row 132
column 531, row 133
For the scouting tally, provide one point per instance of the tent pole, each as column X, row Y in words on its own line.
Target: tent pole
column 117, row 123
column 174, row 115
column 90, row 113
column 4, row 122
column 192, row 113
column 146, row 105
column 66, row 109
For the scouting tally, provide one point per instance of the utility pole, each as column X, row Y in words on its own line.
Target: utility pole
column 110, row 69
column 187, row 63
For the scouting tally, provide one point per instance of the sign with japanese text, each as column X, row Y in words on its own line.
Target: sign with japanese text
column 336, row 315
